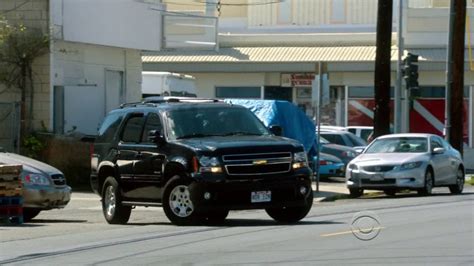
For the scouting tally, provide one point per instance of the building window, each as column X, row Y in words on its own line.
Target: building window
column 279, row 93
column 238, row 92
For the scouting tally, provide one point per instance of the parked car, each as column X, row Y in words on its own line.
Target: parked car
column 44, row 187
column 406, row 161
column 345, row 138
column 198, row 160
column 362, row 132
column 344, row 153
column 329, row 165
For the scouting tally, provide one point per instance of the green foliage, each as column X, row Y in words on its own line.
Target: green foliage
column 32, row 146
column 19, row 47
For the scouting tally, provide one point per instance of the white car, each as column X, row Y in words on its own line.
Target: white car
column 44, row 187
column 406, row 161
column 362, row 132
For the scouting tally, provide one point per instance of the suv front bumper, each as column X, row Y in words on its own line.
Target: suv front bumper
column 236, row 195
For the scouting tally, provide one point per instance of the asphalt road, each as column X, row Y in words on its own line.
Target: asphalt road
column 406, row 229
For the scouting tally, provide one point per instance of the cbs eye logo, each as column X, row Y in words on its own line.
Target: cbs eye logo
column 365, row 225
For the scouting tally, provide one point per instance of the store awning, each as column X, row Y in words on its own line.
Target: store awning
column 285, row 55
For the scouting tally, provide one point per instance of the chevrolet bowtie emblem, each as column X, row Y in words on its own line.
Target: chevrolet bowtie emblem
column 260, row 162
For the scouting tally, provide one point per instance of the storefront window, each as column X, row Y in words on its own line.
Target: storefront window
column 238, row 92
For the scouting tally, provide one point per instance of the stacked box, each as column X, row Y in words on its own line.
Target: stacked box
column 11, row 198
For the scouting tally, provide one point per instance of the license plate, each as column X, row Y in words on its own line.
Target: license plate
column 377, row 178
column 260, row 196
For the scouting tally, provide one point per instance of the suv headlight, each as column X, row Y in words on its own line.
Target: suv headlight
column 411, row 165
column 300, row 160
column 36, row 179
column 209, row 165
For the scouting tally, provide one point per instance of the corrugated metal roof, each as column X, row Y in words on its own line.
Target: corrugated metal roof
column 284, row 54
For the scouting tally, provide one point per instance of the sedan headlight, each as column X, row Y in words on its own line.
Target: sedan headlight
column 209, row 165
column 411, row 165
column 36, row 179
column 300, row 160
column 353, row 167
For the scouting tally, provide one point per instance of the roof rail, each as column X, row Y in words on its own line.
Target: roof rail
column 171, row 99
column 135, row 104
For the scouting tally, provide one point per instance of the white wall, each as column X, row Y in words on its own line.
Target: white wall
column 207, row 82
column 119, row 23
column 83, row 66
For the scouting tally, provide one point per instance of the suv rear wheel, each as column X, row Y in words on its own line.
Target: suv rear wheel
column 291, row 214
column 177, row 202
column 114, row 211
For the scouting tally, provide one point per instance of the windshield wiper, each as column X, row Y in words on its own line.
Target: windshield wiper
column 196, row 135
column 240, row 133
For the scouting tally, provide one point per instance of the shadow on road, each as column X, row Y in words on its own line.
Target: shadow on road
column 232, row 222
column 48, row 221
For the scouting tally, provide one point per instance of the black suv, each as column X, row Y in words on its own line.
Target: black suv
column 198, row 160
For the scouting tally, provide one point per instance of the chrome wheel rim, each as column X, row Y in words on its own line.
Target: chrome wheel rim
column 460, row 180
column 180, row 201
column 110, row 201
column 428, row 182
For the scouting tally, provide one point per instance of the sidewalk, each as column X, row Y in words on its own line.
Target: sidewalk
column 330, row 191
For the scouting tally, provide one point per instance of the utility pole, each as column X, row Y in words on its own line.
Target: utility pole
column 382, row 68
column 398, row 113
column 455, row 74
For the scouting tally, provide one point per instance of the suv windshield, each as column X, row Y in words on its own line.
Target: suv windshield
column 404, row 145
column 213, row 121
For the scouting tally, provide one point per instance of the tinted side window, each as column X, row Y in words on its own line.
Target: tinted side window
column 109, row 127
column 352, row 130
column 153, row 122
column 356, row 141
column 133, row 129
column 334, row 138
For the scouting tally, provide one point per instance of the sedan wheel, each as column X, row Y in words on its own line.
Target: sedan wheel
column 429, row 183
column 458, row 188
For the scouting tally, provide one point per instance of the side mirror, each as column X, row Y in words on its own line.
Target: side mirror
column 438, row 150
column 155, row 136
column 276, row 130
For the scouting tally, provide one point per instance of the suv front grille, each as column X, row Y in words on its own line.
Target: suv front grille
column 58, row 180
column 257, row 163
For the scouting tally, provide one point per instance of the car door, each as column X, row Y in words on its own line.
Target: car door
column 453, row 162
column 440, row 162
column 128, row 149
column 148, row 168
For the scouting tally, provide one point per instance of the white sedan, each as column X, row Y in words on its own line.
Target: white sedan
column 406, row 161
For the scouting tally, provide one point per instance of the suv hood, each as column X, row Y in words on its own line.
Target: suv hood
column 29, row 165
column 211, row 144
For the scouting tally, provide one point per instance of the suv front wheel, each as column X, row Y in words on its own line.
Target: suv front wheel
column 291, row 214
column 177, row 202
column 114, row 211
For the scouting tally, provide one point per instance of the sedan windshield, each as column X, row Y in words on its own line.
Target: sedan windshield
column 399, row 145
column 213, row 121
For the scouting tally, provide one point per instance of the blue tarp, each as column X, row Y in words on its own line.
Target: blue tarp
column 295, row 124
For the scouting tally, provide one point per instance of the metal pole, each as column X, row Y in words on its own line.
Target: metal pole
column 449, row 72
column 398, row 88
column 318, row 112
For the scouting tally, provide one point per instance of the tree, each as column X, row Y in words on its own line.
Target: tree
column 19, row 47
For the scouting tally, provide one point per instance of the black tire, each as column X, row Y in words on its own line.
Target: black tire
column 112, row 208
column 177, row 203
column 459, row 186
column 30, row 213
column 429, row 183
column 390, row 192
column 291, row 214
column 216, row 217
column 356, row 192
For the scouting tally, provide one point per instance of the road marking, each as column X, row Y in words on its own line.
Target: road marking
column 351, row 232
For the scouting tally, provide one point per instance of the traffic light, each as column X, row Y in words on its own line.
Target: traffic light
column 410, row 70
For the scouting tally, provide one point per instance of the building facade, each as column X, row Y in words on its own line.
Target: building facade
column 274, row 50
column 93, row 64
